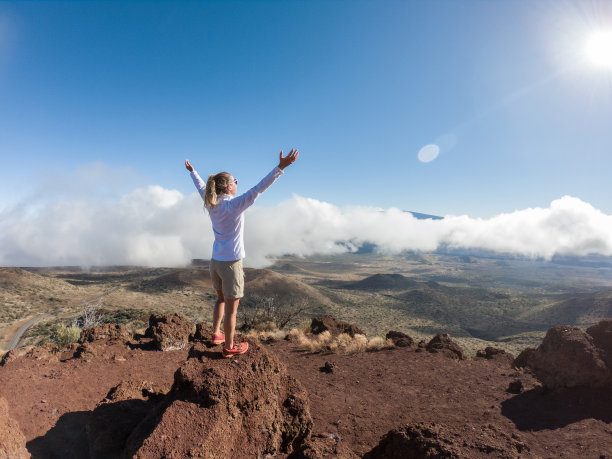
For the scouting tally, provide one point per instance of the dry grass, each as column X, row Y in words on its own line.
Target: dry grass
column 267, row 335
column 341, row 344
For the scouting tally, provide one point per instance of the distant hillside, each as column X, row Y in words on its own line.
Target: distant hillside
column 382, row 282
column 176, row 280
column 266, row 282
column 581, row 309
column 257, row 282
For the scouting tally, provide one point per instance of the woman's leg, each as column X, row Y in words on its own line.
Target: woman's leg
column 218, row 311
column 229, row 325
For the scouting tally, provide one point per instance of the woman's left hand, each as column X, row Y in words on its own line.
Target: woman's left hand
column 188, row 166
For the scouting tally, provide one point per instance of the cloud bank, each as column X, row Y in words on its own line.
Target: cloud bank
column 154, row 226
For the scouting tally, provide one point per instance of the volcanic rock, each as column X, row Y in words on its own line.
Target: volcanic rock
column 334, row 326
column 568, row 357
column 493, row 353
column 400, row 339
column 106, row 332
column 12, row 440
column 431, row 440
column 203, row 332
column 515, row 387
column 224, row 407
column 443, row 343
column 602, row 338
column 169, row 332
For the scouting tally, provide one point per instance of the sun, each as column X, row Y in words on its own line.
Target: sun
column 598, row 49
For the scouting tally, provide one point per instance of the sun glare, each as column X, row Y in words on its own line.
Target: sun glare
column 599, row 48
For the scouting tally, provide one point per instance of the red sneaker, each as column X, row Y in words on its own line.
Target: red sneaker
column 236, row 349
column 218, row 338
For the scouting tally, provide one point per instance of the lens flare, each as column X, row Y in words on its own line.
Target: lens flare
column 599, row 48
column 428, row 153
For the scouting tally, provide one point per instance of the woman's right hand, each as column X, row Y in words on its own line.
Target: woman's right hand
column 285, row 161
column 188, row 166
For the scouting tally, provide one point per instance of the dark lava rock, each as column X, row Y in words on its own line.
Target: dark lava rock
column 334, row 326
column 493, row 353
column 203, row 332
column 515, row 387
column 568, row 357
column 328, row 367
column 602, row 338
column 400, row 339
column 106, row 332
column 443, row 343
column 212, row 397
column 169, row 332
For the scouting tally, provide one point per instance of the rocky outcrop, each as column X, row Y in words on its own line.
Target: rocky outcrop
column 224, row 407
column 570, row 357
column 334, row 326
column 431, row 440
column 169, row 332
column 443, row 343
column 106, row 332
column 12, row 440
column 401, row 339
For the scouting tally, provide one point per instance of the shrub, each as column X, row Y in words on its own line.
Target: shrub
column 267, row 313
column 64, row 335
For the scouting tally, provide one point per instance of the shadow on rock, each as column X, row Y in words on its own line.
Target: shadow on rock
column 539, row 410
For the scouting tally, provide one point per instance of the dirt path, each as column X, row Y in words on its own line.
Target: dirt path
column 14, row 341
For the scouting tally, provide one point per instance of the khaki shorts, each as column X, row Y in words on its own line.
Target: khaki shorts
column 228, row 277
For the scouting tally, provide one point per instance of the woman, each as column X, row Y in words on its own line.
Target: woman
column 226, row 213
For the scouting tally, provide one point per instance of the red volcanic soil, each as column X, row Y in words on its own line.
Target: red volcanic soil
column 354, row 403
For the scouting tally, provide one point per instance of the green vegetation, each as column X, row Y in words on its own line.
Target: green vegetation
column 64, row 335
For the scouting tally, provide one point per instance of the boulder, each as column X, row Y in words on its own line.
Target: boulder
column 567, row 357
column 444, row 344
column 401, row 339
column 334, row 326
column 169, row 332
column 432, row 440
column 602, row 338
column 225, row 407
column 106, row 332
column 12, row 440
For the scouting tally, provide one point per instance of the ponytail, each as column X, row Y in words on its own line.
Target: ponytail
column 215, row 187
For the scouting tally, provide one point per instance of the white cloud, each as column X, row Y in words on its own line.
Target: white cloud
column 159, row 227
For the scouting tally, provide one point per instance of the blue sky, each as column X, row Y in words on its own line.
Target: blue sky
column 100, row 98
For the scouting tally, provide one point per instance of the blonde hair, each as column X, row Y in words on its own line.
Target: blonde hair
column 216, row 186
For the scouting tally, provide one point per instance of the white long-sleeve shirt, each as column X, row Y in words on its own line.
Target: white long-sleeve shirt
column 227, row 216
